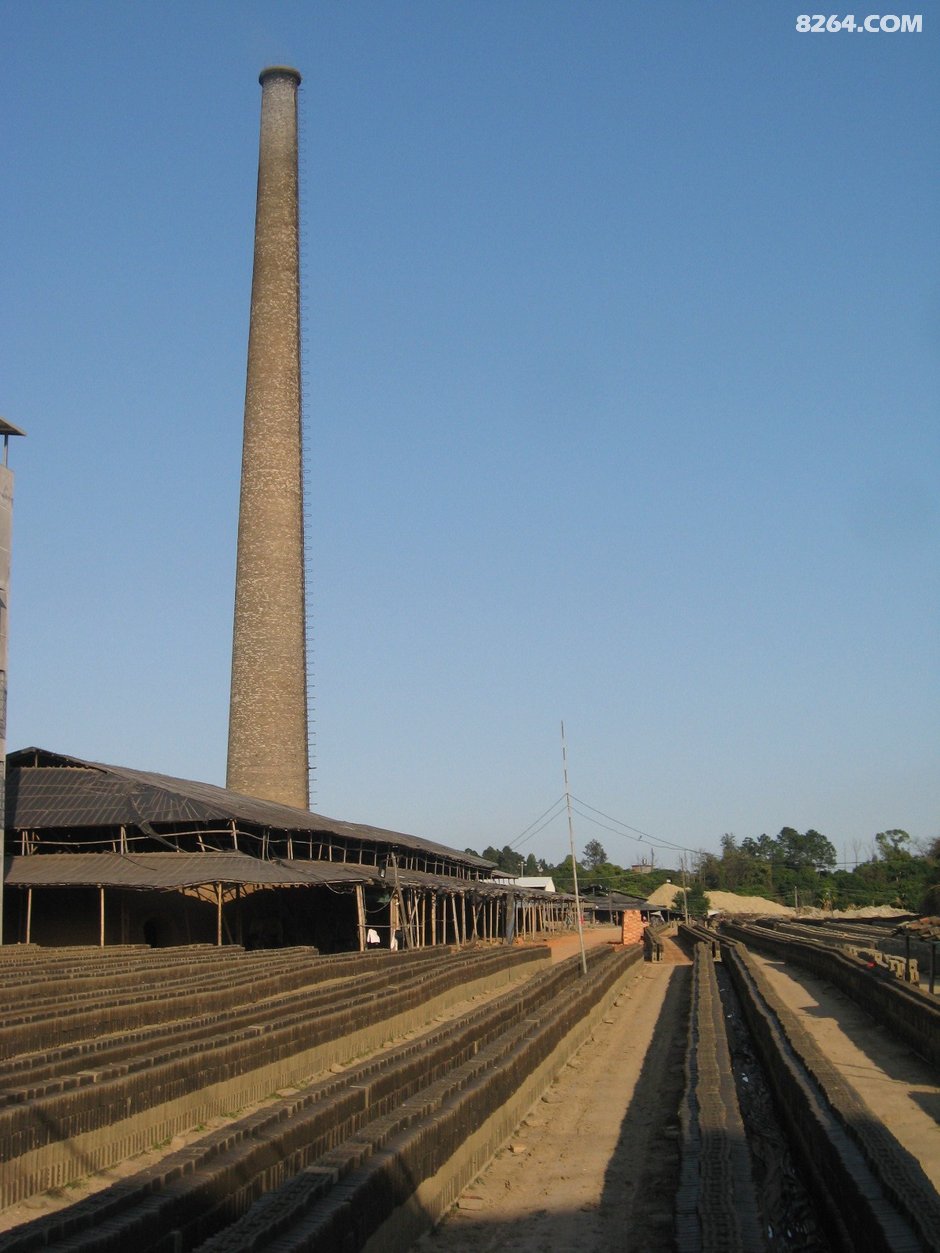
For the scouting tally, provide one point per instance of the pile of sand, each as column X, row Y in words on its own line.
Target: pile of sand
column 864, row 911
column 727, row 902
column 731, row 903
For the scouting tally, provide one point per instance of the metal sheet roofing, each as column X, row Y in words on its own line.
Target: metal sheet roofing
column 174, row 870
column 179, row 870
column 601, row 896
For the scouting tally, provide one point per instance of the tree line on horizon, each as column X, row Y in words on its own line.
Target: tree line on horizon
column 791, row 868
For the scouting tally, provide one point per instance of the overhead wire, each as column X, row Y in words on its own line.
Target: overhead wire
column 549, row 815
column 657, row 839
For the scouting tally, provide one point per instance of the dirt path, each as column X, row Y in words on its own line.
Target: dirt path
column 899, row 1088
column 594, row 1164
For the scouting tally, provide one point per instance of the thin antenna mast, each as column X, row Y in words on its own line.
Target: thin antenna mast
column 574, row 860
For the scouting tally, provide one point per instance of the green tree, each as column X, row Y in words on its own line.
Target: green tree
column 510, row 861
column 594, row 854
column 811, row 851
column 696, row 902
column 892, row 845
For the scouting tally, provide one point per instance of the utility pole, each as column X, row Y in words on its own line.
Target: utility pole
column 574, row 860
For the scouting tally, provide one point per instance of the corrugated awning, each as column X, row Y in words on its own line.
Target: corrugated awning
column 174, row 870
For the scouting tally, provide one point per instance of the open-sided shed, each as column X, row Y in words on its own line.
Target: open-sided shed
column 107, row 854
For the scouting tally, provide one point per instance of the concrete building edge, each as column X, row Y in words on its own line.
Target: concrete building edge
column 53, row 1165
column 432, row 1199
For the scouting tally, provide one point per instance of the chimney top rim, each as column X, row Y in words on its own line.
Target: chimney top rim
column 279, row 71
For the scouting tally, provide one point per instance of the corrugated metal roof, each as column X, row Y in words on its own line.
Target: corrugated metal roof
column 179, row 870
column 600, row 896
column 173, row 870
column 46, row 789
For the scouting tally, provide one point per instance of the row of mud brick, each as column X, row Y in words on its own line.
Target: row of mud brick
column 157, row 1069
column 899, row 967
column 716, row 1205
column 345, row 1154
column 374, row 1197
column 910, row 1014
column 88, row 1049
column 104, row 996
column 906, row 957
column 693, row 933
column 872, row 1194
column 224, row 1044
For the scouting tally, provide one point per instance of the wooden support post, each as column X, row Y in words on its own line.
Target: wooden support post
column 29, row 917
column 218, row 920
column 404, row 917
column 433, row 919
column 101, row 916
column 361, row 916
column 453, row 910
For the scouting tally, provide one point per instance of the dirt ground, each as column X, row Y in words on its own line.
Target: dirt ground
column 593, row 1165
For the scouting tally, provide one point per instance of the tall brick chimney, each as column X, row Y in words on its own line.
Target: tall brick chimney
column 267, row 745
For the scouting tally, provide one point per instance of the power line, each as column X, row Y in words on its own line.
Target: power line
column 644, row 835
column 524, row 836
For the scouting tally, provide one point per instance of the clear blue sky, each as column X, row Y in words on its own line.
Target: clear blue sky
column 621, row 377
